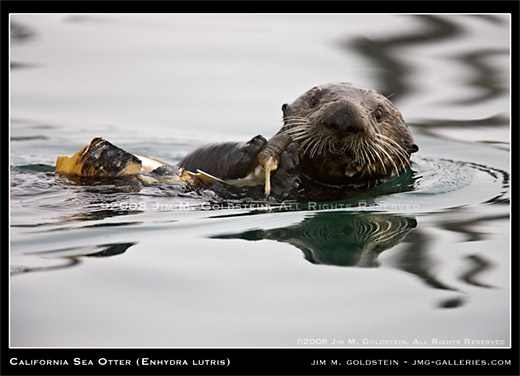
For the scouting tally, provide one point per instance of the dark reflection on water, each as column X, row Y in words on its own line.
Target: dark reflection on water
column 495, row 120
column 341, row 239
column 20, row 33
column 67, row 263
column 71, row 256
column 393, row 68
column 29, row 138
column 469, row 228
column 478, row 266
column 452, row 303
column 357, row 239
column 416, row 260
column 485, row 79
column 490, row 18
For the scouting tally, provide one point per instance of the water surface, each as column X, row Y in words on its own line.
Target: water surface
column 118, row 264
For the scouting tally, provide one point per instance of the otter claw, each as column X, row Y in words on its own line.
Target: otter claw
column 271, row 164
column 269, row 156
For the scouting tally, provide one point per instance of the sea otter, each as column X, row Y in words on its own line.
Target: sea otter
column 334, row 135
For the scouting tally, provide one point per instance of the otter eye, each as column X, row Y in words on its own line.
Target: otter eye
column 378, row 115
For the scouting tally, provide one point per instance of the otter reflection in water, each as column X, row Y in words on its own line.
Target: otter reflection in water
column 355, row 239
column 342, row 239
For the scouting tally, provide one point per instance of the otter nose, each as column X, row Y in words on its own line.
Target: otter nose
column 344, row 119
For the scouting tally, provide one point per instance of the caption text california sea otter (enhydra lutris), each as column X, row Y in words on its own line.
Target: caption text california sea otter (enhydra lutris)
column 119, row 362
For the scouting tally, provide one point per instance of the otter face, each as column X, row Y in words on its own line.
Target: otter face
column 349, row 134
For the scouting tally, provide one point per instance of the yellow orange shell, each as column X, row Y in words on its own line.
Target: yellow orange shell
column 99, row 158
column 102, row 159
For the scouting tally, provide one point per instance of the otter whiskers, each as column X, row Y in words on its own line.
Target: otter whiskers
column 374, row 152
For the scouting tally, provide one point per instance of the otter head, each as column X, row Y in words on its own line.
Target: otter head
column 348, row 135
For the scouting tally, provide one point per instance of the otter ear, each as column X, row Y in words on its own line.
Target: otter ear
column 284, row 109
column 414, row 148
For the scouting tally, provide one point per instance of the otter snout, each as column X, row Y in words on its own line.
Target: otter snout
column 344, row 119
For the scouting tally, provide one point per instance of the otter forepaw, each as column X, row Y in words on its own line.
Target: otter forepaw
column 251, row 149
column 241, row 161
column 285, row 180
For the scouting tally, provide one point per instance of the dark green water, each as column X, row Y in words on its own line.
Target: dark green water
column 425, row 258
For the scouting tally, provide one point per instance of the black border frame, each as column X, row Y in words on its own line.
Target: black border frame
column 259, row 361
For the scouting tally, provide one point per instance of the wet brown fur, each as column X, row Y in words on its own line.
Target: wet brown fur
column 348, row 135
